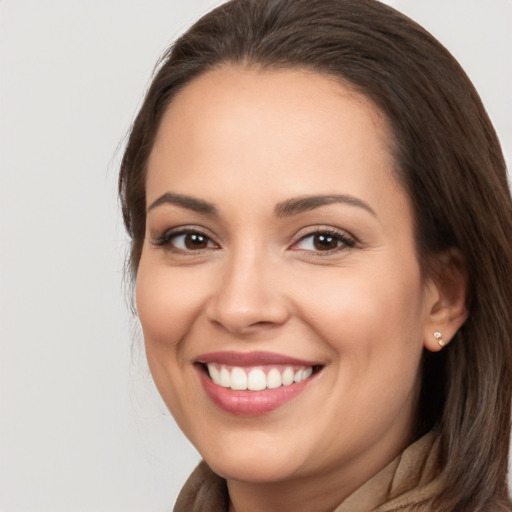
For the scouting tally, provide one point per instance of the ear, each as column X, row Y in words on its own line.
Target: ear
column 445, row 292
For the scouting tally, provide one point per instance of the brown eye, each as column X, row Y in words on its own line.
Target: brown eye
column 187, row 241
column 194, row 241
column 324, row 241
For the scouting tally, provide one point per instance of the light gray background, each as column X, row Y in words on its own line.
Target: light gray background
column 81, row 426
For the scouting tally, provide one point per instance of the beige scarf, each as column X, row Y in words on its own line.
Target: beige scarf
column 408, row 483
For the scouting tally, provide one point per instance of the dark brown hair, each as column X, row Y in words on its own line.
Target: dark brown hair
column 448, row 159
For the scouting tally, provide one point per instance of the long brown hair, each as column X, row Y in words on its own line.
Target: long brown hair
column 448, row 159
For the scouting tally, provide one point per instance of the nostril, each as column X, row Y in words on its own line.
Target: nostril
column 241, row 326
column 262, row 324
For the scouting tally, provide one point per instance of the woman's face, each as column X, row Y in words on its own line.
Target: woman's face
column 279, row 255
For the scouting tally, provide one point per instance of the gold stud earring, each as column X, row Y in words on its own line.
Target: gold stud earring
column 439, row 337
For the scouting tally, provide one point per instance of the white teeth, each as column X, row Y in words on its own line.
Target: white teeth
column 214, row 373
column 307, row 373
column 288, row 376
column 238, row 379
column 274, row 379
column 255, row 379
column 225, row 378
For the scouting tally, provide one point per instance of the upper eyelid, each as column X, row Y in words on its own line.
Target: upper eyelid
column 168, row 234
column 311, row 230
column 186, row 228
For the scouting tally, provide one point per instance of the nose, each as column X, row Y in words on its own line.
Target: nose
column 248, row 298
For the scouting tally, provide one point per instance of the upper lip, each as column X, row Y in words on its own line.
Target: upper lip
column 252, row 359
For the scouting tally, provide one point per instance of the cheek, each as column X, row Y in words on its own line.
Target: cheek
column 372, row 322
column 167, row 303
column 373, row 325
column 359, row 301
column 167, row 306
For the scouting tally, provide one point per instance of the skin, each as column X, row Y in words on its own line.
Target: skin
column 245, row 141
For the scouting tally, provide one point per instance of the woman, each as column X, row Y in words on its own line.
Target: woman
column 320, row 225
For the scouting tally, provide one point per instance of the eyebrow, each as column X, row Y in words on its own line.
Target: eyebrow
column 305, row 203
column 190, row 203
column 286, row 208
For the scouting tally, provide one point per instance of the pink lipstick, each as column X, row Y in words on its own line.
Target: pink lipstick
column 253, row 383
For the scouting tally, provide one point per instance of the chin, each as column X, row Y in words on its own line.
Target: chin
column 254, row 468
column 255, row 460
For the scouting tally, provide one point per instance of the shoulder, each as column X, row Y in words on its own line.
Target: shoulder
column 204, row 491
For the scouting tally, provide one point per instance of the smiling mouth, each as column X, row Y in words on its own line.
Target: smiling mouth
column 257, row 378
column 255, row 383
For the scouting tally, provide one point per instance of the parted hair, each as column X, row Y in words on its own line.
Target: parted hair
column 447, row 158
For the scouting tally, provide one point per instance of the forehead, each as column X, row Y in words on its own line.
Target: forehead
column 295, row 130
column 270, row 96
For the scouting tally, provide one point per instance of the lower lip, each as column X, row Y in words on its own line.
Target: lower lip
column 250, row 403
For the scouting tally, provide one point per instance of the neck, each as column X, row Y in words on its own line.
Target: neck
column 275, row 497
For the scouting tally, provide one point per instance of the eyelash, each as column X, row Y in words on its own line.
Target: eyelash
column 342, row 240
column 166, row 240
